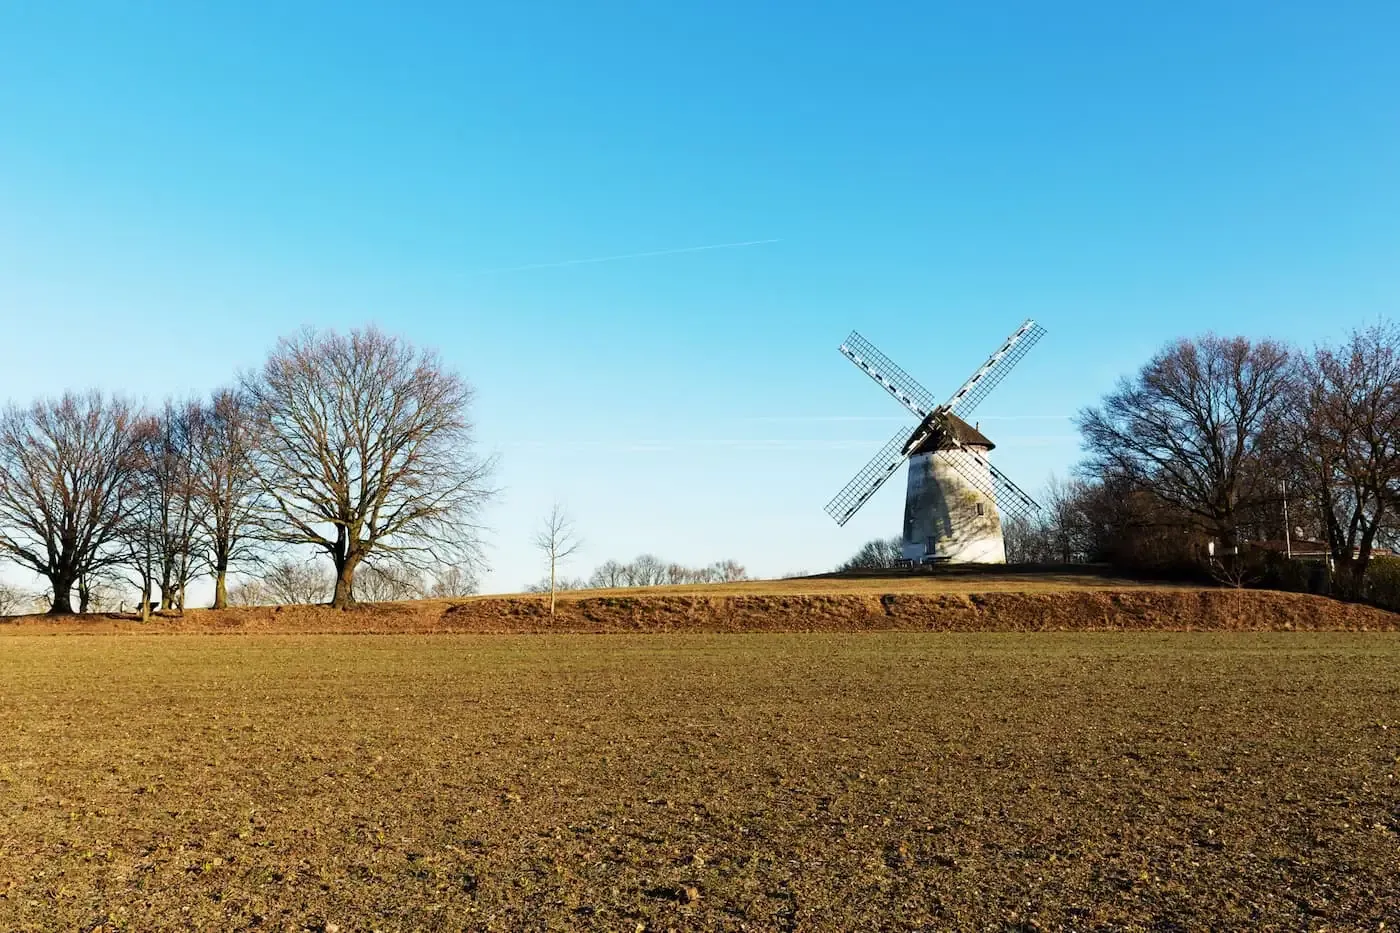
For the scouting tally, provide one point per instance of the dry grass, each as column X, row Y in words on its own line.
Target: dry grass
column 892, row 781
column 965, row 579
column 914, row 605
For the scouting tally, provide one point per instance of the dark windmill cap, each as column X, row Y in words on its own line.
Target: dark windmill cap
column 962, row 431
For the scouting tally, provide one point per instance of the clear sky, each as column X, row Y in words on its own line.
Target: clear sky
column 181, row 183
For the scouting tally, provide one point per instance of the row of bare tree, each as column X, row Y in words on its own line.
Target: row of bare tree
column 1210, row 439
column 358, row 447
column 876, row 554
column 647, row 570
column 291, row 582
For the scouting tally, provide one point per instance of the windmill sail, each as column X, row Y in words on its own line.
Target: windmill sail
column 1011, row 500
column 889, row 375
column 940, row 423
column 870, row 478
column 980, row 384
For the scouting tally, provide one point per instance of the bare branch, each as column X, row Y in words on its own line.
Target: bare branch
column 558, row 540
column 1198, row 428
column 67, row 473
column 364, row 448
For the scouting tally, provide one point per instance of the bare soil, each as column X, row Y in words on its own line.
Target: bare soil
column 889, row 780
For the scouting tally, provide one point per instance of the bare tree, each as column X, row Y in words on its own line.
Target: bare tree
column 1067, row 521
column 1058, row 533
column 226, row 485
column 650, row 570
column 365, row 448
column 608, row 575
column 1196, row 428
column 645, row 570
column 249, row 592
column 878, row 554
column 558, row 541
column 728, row 571
column 100, row 592
column 175, row 511
column 13, row 599
column 1348, row 420
column 1023, row 538
column 561, row 585
column 384, row 582
column 140, row 535
column 295, row 583
column 454, row 580
column 67, row 468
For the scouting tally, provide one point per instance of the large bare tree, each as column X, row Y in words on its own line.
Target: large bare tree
column 67, row 470
column 558, row 540
column 163, row 531
column 140, row 535
column 1348, row 421
column 170, row 464
column 226, row 485
column 365, row 447
column 1198, row 428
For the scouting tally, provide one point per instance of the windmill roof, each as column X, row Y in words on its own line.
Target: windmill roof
column 967, row 434
column 962, row 431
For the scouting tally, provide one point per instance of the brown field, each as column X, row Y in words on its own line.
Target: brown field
column 762, row 782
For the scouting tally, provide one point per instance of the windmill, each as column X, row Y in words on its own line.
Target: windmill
column 956, row 499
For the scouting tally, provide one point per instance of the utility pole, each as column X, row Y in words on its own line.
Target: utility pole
column 1287, row 533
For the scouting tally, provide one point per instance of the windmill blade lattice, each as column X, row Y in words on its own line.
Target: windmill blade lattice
column 1011, row 500
column 889, row 375
column 992, row 372
column 939, row 425
column 870, row 478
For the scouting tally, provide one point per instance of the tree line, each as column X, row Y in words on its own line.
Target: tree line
column 1218, row 444
column 1229, row 442
column 1190, row 462
column 357, row 447
column 646, row 570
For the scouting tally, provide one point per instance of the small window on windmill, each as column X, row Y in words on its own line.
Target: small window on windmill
column 981, row 509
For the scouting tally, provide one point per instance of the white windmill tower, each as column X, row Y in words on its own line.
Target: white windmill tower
column 956, row 499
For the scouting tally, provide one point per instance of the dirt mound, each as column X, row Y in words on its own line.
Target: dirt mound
column 1181, row 609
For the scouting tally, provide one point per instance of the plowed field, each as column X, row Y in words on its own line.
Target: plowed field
column 762, row 782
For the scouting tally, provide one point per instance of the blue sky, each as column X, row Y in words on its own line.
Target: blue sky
column 180, row 184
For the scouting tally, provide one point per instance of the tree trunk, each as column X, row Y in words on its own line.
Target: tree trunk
column 62, row 594
column 344, row 596
column 165, row 589
column 551, row 585
column 221, row 586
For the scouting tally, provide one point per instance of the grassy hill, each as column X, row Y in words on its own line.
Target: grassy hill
column 962, row 599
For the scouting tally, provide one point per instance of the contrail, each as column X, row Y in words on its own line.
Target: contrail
column 654, row 252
